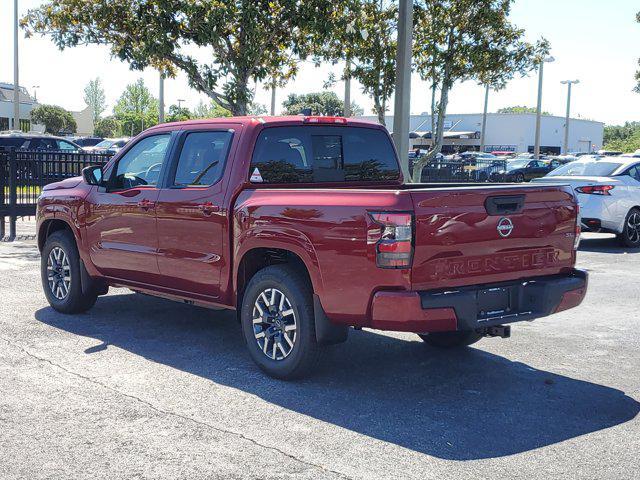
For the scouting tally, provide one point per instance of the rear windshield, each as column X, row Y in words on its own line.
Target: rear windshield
column 585, row 169
column 313, row 154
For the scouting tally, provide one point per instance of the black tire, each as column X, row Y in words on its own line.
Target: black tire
column 451, row 339
column 74, row 301
column 630, row 237
column 305, row 352
column 520, row 178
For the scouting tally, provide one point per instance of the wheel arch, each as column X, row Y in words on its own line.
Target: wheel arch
column 257, row 258
column 51, row 225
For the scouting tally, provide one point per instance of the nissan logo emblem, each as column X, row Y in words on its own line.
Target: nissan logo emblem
column 505, row 227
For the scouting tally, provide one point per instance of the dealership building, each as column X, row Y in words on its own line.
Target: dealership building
column 505, row 132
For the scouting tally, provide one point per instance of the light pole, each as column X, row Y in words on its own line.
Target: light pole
column 568, row 83
column 347, row 89
column 180, row 100
column 273, row 99
column 161, row 100
column 35, row 92
column 484, row 118
column 16, row 79
column 536, row 148
column 402, row 98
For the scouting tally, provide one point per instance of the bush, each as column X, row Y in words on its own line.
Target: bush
column 106, row 127
column 54, row 118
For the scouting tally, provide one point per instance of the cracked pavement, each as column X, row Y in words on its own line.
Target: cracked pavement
column 146, row 388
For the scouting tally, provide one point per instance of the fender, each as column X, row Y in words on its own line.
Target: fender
column 69, row 212
column 269, row 236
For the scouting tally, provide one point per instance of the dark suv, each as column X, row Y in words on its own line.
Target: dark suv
column 37, row 142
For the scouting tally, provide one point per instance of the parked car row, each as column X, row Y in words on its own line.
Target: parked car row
column 51, row 143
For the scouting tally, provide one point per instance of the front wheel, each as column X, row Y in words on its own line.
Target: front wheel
column 60, row 272
column 630, row 236
column 451, row 339
column 278, row 322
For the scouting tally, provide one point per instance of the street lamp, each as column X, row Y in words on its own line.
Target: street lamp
column 161, row 99
column 484, row 118
column 536, row 148
column 401, row 103
column 180, row 100
column 16, row 79
column 35, row 92
column 568, row 83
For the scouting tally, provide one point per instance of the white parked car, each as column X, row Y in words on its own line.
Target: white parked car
column 108, row 145
column 608, row 190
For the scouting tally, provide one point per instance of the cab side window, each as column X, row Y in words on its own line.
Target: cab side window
column 141, row 165
column 202, row 158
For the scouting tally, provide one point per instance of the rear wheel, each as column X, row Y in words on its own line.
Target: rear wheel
column 520, row 178
column 630, row 236
column 60, row 272
column 451, row 339
column 278, row 322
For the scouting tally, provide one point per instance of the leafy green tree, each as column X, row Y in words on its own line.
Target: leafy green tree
column 365, row 38
column 95, row 98
column 244, row 39
column 459, row 40
column 625, row 138
column 320, row 103
column 136, row 109
column 179, row 114
column 211, row 110
column 256, row 109
column 54, row 118
column 107, row 127
column 518, row 109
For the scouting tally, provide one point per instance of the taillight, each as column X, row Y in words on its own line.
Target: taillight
column 393, row 240
column 596, row 189
column 324, row 120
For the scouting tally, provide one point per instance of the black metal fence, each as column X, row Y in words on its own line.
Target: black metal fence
column 23, row 174
column 462, row 171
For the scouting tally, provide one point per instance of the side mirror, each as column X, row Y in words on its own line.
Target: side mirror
column 92, row 175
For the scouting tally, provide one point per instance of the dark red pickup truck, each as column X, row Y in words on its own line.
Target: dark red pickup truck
column 304, row 226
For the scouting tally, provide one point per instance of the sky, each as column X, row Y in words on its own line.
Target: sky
column 594, row 41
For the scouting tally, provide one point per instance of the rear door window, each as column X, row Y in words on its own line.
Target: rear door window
column 316, row 154
column 634, row 172
column 202, row 158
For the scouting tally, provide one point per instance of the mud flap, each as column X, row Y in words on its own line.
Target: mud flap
column 90, row 284
column 327, row 332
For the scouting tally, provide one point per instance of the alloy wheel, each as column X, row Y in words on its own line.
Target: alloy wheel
column 633, row 227
column 274, row 324
column 58, row 273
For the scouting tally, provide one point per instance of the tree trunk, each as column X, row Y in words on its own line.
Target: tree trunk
column 437, row 138
column 381, row 119
column 380, row 109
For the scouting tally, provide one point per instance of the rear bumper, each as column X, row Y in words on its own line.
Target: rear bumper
column 478, row 306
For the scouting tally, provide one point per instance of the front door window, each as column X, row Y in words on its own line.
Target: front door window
column 141, row 165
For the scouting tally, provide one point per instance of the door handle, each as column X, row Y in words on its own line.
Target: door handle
column 146, row 204
column 208, row 208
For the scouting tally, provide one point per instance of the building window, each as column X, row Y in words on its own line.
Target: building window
column 4, row 123
column 25, row 125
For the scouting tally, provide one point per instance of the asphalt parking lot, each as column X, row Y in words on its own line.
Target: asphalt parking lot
column 146, row 388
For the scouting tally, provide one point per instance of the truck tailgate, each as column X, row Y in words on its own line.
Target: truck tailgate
column 481, row 235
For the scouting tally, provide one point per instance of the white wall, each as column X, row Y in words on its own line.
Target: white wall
column 518, row 129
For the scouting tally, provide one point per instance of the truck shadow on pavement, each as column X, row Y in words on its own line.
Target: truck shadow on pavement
column 460, row 405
